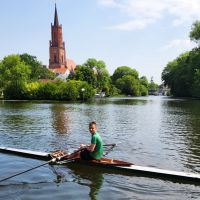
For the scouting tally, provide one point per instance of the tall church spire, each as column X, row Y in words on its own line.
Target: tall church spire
column 56, row 23
column 58, row 61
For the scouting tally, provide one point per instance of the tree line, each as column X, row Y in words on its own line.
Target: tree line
column 24, row 77
column 182, row 75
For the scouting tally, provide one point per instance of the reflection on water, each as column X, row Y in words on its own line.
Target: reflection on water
column 60, row 119
column 182, row 118
column 89, row 177
column 152, row 131
column 121, row 101
column 82, row 175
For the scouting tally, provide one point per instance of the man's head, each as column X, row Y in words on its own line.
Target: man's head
column 92, row 127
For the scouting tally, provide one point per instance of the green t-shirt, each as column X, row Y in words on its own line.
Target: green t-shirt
column 98, row 151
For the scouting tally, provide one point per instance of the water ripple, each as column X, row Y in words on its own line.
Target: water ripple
column 152, row 131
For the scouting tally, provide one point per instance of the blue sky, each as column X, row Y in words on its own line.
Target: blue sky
column 142, row 34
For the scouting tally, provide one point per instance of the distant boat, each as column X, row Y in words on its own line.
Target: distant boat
column 100, row 95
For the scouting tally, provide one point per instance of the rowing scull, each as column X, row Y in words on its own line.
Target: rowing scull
column 112, row 164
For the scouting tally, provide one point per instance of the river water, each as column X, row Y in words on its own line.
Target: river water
column 150, row 131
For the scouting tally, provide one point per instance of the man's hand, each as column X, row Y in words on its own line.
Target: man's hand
column 58, row 159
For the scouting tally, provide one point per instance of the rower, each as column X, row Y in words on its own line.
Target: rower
column 93, row 151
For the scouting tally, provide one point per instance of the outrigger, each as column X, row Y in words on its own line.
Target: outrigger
column 113, row 164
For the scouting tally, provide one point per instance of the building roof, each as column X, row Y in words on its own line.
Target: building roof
column 71, row 65
column 60, row 70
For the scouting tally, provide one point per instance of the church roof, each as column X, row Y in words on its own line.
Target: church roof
column 60, row 70
column 71, row 65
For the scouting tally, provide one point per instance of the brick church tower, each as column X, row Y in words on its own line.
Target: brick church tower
column 58, row 63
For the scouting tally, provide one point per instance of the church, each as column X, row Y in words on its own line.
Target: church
column 58, row 61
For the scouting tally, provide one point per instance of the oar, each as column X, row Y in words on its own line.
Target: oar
column 108, row 145
column 111, row 147
column 112, row 144
column 50, row 161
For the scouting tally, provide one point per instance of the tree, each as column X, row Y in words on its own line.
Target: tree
column 196, row 84
column 73, row 90
column 144, row 85
column 95, row 73
column 32, row 90
column 103, row 80
column 153, row 86
column 195, row 32
column 182, row 74
column 144, row 81
column 143, row 90
column 86, row 91
column 122, row 71
column 127, row 81
column 38, row 71
column 83, row 73
column 129, row 85
column 14, row 75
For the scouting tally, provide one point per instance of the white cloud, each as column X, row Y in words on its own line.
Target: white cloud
column 132, row 25
column 184, row 10
column 110, row 3
column 145, row 12
column 180, row 45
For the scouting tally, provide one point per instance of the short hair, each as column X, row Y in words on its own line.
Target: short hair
column 92, row 123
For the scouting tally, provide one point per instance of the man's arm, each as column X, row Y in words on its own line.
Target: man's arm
column 91, row 147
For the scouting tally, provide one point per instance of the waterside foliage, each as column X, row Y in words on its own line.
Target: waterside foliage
column 24, row 77
column 182, row 75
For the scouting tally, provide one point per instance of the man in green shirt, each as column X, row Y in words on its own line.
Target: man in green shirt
column 95, row 149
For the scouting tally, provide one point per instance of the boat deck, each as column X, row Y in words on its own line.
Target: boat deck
column 26, row 153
